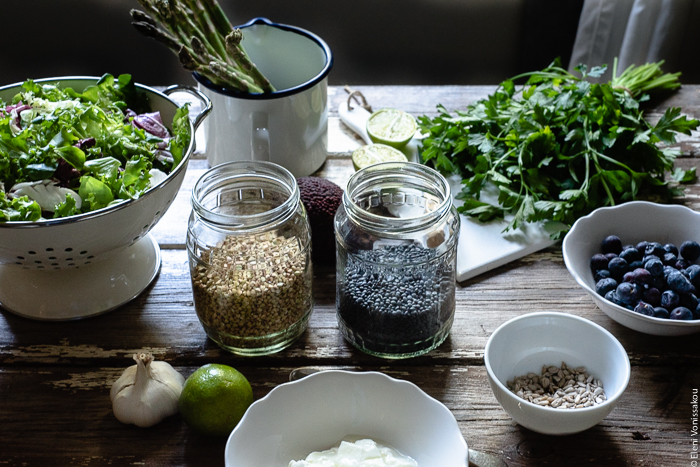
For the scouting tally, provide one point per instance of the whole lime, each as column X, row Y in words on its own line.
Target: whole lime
column 214, row 399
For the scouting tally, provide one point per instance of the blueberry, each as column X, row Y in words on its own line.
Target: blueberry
column 655, row 249
column 693, row 273
column 636, row 264
column 678, row 283
column 681, row 313
column 650, row 257
column 605, row 285
column 639, row 276
column 690, row 250
column 690, row 301
column 630, row 255
column 628, row 293
column 671, row 248
column 644, row 309
column 670, row 299
column 627, row 247
column 682, row 263
column 617, row 267
column 611, row 297
column 602, row 274
column 652, row 296
column 612, row 244
column 668, row 270
column 610, row 255
column 669, row 259
column 641, row 247
column 598, row 262
column 661, row 312
column 655, row 267
column 696, row 312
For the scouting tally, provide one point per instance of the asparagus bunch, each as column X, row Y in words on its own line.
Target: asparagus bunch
column 202, row 37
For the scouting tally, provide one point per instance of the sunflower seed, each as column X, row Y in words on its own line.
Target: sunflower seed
column 559, row 387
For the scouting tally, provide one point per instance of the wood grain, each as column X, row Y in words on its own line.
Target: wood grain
column 55, row 377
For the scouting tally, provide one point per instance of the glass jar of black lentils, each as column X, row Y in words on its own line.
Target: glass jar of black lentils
column 396, row 233
column 249, row 248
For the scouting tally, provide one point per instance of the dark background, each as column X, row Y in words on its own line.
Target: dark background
column 373, row 41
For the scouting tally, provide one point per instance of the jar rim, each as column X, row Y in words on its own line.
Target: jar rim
column 233, row 172
column 381, row 173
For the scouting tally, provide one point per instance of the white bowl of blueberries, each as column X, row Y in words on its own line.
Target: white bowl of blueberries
column 639, row 263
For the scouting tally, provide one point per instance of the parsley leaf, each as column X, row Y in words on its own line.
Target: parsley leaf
column 558, row 147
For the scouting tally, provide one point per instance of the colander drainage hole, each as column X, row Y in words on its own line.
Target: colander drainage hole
column 32, row 252
column 52, row 258
column 20, row 257
column 84, row 252
column 49, row 249
column 68, row 250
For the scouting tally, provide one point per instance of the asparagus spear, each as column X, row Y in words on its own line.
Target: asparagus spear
column 234, row 48
column 204, row 40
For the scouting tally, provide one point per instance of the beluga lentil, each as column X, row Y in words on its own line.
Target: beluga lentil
column 391, row 305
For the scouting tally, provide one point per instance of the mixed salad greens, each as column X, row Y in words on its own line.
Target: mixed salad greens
column 64, row 153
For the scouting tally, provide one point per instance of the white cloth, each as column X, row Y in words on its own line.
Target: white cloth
column 635, row 31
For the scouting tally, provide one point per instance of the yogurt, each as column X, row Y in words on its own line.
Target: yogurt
column 361, row 453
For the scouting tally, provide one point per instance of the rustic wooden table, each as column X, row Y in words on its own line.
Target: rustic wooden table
column 55, row 376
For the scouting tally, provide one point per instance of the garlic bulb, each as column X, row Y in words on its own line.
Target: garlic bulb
column 147, row 392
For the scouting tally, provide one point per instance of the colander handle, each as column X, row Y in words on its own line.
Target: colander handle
column 206, row 102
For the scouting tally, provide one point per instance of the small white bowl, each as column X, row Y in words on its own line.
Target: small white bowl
column 633, row 222
column 526, row 343
column 318, row 411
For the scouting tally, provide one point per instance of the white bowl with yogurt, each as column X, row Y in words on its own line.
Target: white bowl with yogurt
column 317, row 413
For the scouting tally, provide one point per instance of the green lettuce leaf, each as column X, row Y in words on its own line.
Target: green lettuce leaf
column 19, row 209
column 94, row 193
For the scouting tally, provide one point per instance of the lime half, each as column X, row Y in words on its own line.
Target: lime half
column 374, row 154
column 391, row 127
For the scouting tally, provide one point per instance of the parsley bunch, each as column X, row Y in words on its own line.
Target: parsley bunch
column 559, row 146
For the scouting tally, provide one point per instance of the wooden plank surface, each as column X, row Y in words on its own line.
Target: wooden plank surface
column 55, row 377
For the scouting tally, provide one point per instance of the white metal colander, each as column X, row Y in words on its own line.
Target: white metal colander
column 88, row 264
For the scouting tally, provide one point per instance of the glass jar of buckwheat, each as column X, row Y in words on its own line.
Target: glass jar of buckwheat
column 249, row 247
